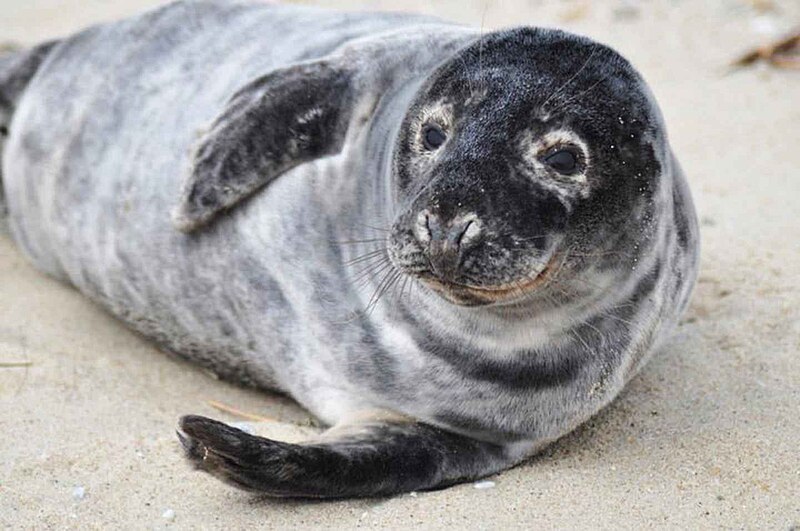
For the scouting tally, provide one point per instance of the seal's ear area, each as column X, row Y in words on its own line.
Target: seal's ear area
column 276, row 122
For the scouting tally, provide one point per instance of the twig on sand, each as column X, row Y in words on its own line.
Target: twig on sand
column 237, row 413
column 784, row 53
column 15, row 364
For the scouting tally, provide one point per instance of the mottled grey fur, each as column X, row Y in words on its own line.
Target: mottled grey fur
column 246, row 184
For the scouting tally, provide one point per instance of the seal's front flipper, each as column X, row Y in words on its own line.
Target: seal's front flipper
column 290, row 116
column 373, row 459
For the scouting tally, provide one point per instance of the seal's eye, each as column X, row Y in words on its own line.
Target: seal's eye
column 563, row 161
column 433, row 137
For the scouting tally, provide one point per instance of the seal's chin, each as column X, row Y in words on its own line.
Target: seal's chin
column 467, row 295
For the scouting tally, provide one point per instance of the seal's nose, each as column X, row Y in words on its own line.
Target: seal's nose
column 446, row 242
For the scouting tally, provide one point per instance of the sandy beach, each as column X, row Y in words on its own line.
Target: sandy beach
column 705, row 437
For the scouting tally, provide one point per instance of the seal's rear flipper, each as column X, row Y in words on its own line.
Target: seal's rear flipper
column 372, row 460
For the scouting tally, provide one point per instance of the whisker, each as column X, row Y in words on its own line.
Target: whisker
column 585, row 344
column 620, row 319
column 529, row 238
column 625, row 305
column 551, row 278
column 469, row 79
column 580, row 94
column 480, row 43
column 398, row 285
column 590, row 284
column 350, row 242
column 366, row 256
column 602, row 253
column 406, row 284
column 383, row 273
column 599, row 333
column 374, row 228
column 363, row 275
column 372, row 270
column 560, row 287
column 387, row 281
column 369, row 266
column 403, row 285
column 571, row 78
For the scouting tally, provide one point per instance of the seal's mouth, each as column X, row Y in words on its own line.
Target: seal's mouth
column 469, row 295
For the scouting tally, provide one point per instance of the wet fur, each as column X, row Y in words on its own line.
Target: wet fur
column 275, row 279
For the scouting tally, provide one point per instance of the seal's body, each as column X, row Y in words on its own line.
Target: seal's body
column 453, row 248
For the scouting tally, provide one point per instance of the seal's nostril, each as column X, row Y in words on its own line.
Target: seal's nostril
column 445, row 241
column 457, row 233
column 464, row 232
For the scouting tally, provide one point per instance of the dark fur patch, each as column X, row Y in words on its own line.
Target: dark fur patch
column 17, row 68
column 681, row 219
column 277, row 122
column 377, row 460
column 526, row 371
column 16, row 71
column 528, row 83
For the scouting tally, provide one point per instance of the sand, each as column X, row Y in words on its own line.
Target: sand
column 705, row 437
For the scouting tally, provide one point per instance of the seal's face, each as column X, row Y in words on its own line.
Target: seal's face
column 526, row 146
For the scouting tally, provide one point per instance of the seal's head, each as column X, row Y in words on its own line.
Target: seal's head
column 527, row 149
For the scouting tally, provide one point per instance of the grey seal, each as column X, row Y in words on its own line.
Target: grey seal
column 451, row 247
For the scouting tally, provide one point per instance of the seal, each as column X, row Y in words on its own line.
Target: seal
column 452, row 247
